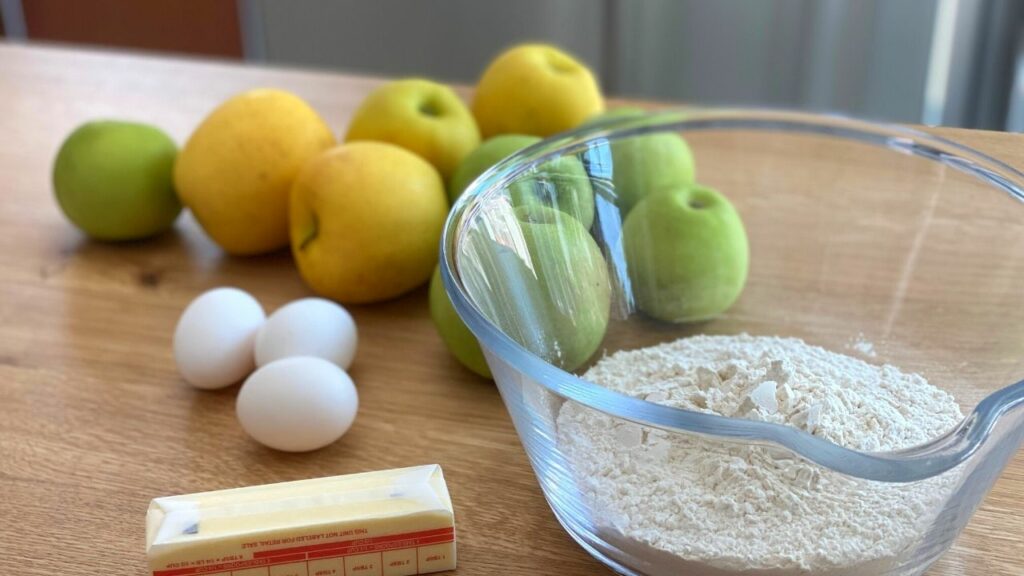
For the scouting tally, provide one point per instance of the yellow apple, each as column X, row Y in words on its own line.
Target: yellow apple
column 236, row 169
column 535, row 89
column 366, row 221
column 421, row 116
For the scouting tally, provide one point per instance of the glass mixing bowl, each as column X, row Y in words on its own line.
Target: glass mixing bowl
column 875, row 241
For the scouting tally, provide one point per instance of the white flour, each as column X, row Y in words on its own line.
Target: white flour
column 712, row 507
column 863, row 346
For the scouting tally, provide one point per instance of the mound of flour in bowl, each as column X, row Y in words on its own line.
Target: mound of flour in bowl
column 713, row 507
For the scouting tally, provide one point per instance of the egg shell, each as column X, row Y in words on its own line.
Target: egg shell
column 214, row 338
column 297, row 404
column 308, row 327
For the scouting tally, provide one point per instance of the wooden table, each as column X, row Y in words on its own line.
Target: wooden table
column 96, row 420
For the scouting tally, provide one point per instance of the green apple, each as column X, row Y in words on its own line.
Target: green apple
column 562, row 183
column 492, row 151
column 645, row 164
column 113, row 180
column 456, row 336
column 541, row 278
column 618, row 112
column 686, row 252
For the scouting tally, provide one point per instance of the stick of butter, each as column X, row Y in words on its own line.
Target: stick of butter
column 387, row 523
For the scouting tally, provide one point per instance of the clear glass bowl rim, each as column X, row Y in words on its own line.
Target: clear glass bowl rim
column 925, row 461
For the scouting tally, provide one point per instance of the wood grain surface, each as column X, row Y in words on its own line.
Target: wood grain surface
column 95, row 420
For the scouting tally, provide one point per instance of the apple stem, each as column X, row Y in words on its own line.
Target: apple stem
column 314, row 228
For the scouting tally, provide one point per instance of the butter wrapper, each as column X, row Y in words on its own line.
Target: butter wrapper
column 387, row 523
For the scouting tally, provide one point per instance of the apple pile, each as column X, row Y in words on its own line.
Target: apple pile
column 363, row 218
column 683, row 244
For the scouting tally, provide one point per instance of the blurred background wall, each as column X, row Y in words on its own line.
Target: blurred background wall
column 950, row 62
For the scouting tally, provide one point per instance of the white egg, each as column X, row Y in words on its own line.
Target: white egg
column 214, row 338
column 297, row 404
column 308, row 327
